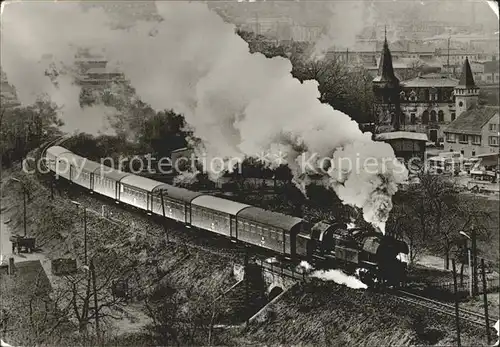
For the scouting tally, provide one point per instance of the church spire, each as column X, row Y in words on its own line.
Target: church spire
column 467, row 78
column 386, row 70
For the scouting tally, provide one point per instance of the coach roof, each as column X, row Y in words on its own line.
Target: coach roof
column 143, row 183
column 274, row 219
column 109, row 172
column 90, row 166
column 180, row 194
column 218, row 204
column 57, row 151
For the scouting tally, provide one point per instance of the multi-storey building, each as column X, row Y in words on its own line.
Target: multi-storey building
column 476, row 131
column 427, row 103
column 93, row 71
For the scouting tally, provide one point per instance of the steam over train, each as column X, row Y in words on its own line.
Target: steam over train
column 372, row 256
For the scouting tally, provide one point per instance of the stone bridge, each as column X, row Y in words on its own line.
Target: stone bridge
column 275, row 277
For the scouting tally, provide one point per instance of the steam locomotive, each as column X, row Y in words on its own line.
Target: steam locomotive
column 373, row 257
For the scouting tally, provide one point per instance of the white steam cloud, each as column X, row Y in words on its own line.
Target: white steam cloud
column 347, row 20
column 39, row 42
column 339, row 277
column 239, row 104
column 336, row 276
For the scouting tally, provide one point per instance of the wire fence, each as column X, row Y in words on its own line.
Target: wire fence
column 492, row 285
column 445, row 290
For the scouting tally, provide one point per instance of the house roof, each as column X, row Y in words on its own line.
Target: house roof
column 472, row 120
column 412, row 63
column 430, row 80
column 401, row 135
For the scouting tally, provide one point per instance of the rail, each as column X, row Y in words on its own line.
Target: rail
column 465, row 315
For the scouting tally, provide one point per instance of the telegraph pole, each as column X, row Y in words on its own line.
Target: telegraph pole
column 247, row 298
column 85, row 233
column 457, row 320
column 24, row 210
column 51, row 188
column 474, row 261
column 84, row 230
column 448, row 63
column 92, row 272
column 485, row 299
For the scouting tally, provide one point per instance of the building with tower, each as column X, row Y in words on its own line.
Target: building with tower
column 466, row 92
column 425, row 104
column 386, row 89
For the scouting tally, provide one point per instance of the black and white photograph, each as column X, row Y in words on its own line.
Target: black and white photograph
column 249, row 173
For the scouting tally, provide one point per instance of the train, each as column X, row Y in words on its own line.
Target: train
column 375, row 258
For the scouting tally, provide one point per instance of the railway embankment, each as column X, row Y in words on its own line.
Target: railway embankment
column 186, row 271
column 163, row 262
column 324, row 314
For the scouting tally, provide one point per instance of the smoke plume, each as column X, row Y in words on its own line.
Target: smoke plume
column 347, row 20
column 238, row 104
column 39, row 43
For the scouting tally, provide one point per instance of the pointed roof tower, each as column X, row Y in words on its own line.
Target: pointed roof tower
column 386, row 70
column 467, row 78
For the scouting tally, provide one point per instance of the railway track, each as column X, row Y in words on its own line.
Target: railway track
column 447, row 309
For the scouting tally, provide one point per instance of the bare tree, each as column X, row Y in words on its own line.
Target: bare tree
column 430, row 214
column 414, row 67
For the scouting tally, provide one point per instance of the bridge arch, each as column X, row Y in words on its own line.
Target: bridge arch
column 274, row 292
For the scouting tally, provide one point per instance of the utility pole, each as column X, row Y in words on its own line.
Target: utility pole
column 51, row 187
column 92, row 272
column 474, row 261
column 256, row 24
column 24, row 210
column 448, row 63
column 247, row 297
column 471, row 280
column 84, row 230
column 457, row 320
column 485, row 299
column 469, row 261
column 85, row 234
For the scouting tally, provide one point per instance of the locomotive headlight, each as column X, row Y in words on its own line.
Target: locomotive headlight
column 402, row 257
